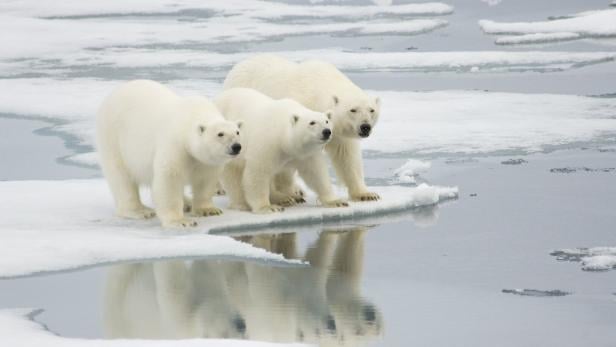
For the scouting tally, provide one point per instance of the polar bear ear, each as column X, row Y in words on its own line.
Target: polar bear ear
column 239, row 124
column 294, row 119
column 377, row 101
column 336, row 100
column 328, row 114
column 201, row 129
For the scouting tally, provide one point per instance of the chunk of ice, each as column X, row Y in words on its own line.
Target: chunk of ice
column 62, row 225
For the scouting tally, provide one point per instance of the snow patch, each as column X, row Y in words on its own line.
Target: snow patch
column 18, row 329
column 408, row 172
column 39, row 234
column 536, row 38
column 590, row 24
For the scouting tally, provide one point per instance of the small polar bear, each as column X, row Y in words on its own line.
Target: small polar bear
column 148, row 135
column 280, row 135
column 319, row 86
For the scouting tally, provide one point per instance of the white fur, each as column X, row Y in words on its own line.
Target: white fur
column 280, row 136
column 319, row 86
column 147, row 135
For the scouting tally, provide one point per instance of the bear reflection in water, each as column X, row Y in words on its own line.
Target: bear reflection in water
column 229, row 299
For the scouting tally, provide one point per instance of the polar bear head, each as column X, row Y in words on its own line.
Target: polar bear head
column 355, row 114
column 215, row 142
column 310, row 130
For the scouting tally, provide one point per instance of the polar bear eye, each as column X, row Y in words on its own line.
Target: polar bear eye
column 326, row 122
column 221, row 134
column 237, row 132
column 313, row 123
column 371, row 110
column 353, row 110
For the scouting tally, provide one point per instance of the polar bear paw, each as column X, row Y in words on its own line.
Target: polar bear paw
column 365, row 196
column 180, row 223
column 284, row 200
column 269, row 209
column 140, row 213
column 336, row 203
column 207, row 211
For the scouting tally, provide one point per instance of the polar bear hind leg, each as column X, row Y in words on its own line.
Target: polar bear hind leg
column 124, row 190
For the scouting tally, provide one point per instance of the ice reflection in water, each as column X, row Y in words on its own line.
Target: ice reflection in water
column 320, row 304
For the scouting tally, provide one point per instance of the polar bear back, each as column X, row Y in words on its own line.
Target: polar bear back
column 140, row 115
column 312, row 83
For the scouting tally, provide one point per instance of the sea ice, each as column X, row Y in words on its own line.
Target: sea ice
column 70, row 27
column 408, row 172
column 445, row 122
column 459, row 61
column 39, row 234
column 18, row 329
column 590, row 24
column 592, row 259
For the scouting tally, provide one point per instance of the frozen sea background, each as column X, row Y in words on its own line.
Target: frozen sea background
column 526, row 131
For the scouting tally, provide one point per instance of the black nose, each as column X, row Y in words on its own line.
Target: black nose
column 369, row 313
column 240, row 324
column 236, row 148
column 365, row 128
column 331, row 323
column 327, row 133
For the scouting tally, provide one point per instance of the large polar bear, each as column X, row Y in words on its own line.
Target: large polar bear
column 279, row 135
column 148, row 135
column 319, row 86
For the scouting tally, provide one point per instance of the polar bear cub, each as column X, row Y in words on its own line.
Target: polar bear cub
column 319, row 86
column 279, row 135
column 148, row 135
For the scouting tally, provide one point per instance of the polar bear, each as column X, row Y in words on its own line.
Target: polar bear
column 279, row 135
column 319, row 86
column 148, row 135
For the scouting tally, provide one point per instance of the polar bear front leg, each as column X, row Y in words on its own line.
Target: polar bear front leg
column 346, row 159
column 204, row 186
column 256, row 180
column 168, row 194
column 313, row 171
column 232, row 183
column 284, row 183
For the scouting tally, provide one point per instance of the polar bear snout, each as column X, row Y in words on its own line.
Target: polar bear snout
column 236, row 148
column 327, row 133
column 364, row 130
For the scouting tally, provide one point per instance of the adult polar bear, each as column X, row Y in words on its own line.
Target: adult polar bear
column 320, row 86
column 146, row 134
column 279, row 135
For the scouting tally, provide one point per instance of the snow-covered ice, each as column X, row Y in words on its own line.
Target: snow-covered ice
column 411, row 122
column 591, row 259
column 459, row 61
column 38, row 234
column 73, row 26
column 589, row 24
column 408, row 172
column 19, row 329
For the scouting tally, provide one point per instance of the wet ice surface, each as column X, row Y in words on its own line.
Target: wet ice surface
column 404, row 279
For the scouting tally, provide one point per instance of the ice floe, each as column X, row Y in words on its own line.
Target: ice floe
column 591, row 259
column 38, row 234
column 590, row 24
column 19, row 329
column 467, row 122
column 407, row 173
